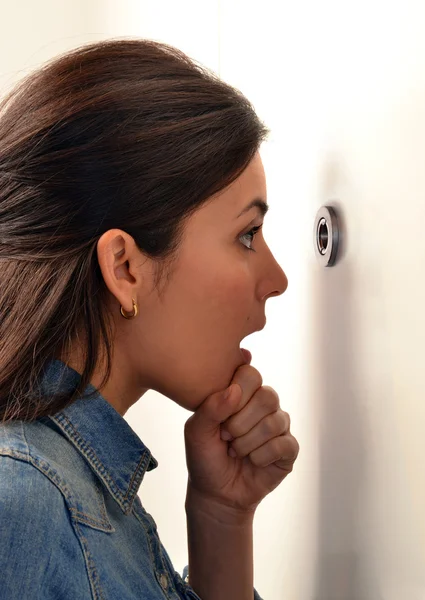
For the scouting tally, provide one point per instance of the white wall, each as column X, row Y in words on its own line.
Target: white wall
column 32, row 32
column 342, row 85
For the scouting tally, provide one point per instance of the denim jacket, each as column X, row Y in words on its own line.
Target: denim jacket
column 71, row 521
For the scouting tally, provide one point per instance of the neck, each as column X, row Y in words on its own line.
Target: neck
column 122, row 388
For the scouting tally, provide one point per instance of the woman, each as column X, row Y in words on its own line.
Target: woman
column 132, row 196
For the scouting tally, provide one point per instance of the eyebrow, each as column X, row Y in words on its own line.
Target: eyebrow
column 257, row 203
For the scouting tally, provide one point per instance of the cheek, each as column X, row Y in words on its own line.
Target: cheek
column 225, row 298
column 197, row 332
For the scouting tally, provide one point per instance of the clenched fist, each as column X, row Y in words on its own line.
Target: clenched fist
column 238, row 443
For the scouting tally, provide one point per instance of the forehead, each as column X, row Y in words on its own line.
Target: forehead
column 232, row 200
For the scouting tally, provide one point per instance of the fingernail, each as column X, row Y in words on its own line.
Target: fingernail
column 225, row 435
column 232, row 453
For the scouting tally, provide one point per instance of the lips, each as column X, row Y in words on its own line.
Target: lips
column 246, row 355
column 260, row 326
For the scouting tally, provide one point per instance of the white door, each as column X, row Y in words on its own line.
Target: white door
column 342, row 86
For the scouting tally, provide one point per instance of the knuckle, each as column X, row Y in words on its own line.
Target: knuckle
column 296, row 448
column 255, row 458
column 292, row 448
column 278, row 445
column 253, row 375
column 286, row 419
column 234, row 428
column 249, row 380
column 270, row 426
column 269, row 398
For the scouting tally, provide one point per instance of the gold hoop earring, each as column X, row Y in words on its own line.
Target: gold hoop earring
column 130, row 316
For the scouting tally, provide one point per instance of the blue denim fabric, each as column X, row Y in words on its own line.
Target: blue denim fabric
column 71, row 523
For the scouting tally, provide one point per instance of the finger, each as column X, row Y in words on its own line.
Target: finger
column 264, row 402
column 282, row 451
column 214, row 410
column 271, row 426
column 250, row 380
column 218, row 407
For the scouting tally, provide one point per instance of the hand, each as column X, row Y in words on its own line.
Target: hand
column 260, row 437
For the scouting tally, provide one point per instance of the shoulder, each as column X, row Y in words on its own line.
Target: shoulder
column 40, row 549
column 25, row 490
column 41, row 554
column 27, row 462
column 51, row 455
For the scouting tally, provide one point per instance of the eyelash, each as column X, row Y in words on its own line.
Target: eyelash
column 252, row 233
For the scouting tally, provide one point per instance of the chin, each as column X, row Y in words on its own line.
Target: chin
column 221, row 378
column 190, row 392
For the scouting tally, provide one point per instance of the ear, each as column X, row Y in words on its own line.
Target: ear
column 118, row 258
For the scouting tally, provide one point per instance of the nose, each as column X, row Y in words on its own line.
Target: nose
column 273, row 280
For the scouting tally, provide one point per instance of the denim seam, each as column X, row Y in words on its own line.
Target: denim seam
column 103, row 511
column 139, row 518
column 90, row 566
column 88, row 451
column 186, row 588
column 165, row 567
column 141, row 467
column 46, row 469
column 104, row 524
column 55, row 479
column 88, row 520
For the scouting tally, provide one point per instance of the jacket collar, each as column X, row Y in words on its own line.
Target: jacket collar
column 102, row 436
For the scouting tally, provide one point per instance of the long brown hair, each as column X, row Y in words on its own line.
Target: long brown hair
column 128, row 134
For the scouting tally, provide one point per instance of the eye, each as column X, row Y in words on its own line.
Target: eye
column 250, row 235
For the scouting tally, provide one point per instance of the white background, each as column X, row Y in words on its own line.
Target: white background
column 342, row 86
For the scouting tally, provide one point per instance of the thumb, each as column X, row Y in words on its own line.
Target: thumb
column 216, row 409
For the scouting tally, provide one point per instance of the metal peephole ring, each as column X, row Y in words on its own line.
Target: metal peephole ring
column 326, row 236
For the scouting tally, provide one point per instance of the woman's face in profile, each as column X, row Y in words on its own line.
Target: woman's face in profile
column 186, row 340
